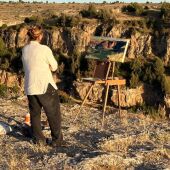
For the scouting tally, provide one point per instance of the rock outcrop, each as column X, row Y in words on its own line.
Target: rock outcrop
column 128, row 97
column 140, row 46
column 137, row 96
column 11, row 79
column 83, row 88
column 67, row 39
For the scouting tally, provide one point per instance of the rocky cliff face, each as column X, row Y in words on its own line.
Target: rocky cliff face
column 68, row 39
column 128, row 96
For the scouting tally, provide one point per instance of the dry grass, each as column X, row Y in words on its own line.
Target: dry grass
column 105, row 162
column 11, row 15
column 117, row 145
column 156, row 156
column 140, row 143
column 123, row 144
column 14, row 160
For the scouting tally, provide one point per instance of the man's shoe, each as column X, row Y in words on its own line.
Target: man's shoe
column 59, row 143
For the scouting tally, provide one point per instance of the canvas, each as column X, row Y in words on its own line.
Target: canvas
column 102, row 48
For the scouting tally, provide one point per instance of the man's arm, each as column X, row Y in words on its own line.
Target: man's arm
column 53, row 65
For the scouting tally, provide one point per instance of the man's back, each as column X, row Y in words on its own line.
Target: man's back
column 36, row 61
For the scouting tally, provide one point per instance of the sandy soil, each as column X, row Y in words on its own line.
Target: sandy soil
column 132, row 141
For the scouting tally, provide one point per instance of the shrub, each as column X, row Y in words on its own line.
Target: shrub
column 3, row 90
column 4, row 26
column 64, row 97
column 34, row 19
column 102, row 14
column 134, row 81
column 91, row 12
column 105, row 15
column 165, row 84
column 75, row 64
column 159, row 68
column 2, row 47
column 15, row 89
column 134, row 8
column 67, row 21
column 150, row 72
column 165, row 10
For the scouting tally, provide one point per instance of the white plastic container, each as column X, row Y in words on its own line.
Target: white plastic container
column 4, row 128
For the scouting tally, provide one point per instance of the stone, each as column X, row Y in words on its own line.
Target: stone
column 136, row 96
column 83, row 87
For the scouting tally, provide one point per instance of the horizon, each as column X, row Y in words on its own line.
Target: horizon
column 89, row 1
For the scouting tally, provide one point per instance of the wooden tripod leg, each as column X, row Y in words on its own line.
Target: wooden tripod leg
column 108, row 70
column 105, row 103
column 87, row 95
column 118, row 90
column 113, row 69
column 84, row 101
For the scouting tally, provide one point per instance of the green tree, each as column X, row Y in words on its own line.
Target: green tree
column 159, row 68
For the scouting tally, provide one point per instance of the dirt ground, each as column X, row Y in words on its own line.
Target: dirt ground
column 132, row 141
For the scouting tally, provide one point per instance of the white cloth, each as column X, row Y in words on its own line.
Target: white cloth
column 36, row 60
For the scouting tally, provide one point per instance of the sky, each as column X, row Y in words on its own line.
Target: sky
column 97, row 1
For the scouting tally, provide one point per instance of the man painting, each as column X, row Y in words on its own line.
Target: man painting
column 40, row 88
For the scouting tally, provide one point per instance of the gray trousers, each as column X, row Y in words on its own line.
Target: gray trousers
column 51, row 105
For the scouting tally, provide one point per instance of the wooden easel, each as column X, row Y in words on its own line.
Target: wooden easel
column 101, row 76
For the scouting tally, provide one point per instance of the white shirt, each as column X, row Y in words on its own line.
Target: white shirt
column 36, row 60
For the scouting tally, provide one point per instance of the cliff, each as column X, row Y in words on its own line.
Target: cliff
column 69, row 45
column 142, row 44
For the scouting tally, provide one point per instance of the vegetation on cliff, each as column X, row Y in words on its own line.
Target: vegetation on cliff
column 72, row 63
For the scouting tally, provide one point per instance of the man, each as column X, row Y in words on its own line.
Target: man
column 40, row 88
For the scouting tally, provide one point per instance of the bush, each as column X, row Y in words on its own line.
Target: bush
column 165, row 10
column 91, row 12
column 102, row 14
column 67, row 21
column 15, row 89
column 4, row 26
column 3, row 90
column 134, row 8
column 159, row 68
column 147, row 71
column 165, row 83
column 134, row 81
column 2, row 47
column 64, row 97
column 105, row 15
column 34, row 19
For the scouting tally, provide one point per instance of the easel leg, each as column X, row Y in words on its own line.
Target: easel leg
column 84, row 101
column 113, row 69
column 104, row 106
column 118, row 90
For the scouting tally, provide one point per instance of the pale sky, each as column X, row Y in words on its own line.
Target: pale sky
column 97, row 1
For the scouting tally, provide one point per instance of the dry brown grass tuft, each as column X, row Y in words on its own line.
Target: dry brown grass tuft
column 163, row 138
column 104, row 162
column 39, row 149
column 18, row 162
column 117, row 145
column 14, row 160
column 123, row 144
column 142, row 138
column 156, row 156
